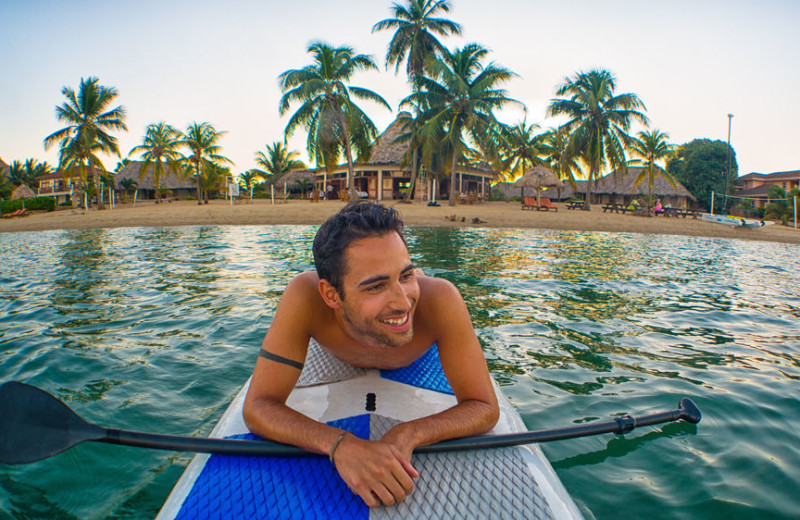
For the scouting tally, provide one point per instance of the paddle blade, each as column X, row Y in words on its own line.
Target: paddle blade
column 35, row 425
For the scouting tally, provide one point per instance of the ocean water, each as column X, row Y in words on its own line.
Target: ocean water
column 156, row 329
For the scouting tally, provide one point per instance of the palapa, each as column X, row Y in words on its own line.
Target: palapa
column 23, row 191
column 538, row 178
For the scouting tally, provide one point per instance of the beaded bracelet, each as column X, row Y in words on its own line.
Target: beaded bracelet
column 336, row 445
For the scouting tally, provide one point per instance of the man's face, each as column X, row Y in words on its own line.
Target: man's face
column 380, row 291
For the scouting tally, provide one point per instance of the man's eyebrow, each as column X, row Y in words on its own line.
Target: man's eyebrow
column 380, row 277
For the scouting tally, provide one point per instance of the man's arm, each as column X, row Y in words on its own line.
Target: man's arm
column 464, row 365
column 373, row 470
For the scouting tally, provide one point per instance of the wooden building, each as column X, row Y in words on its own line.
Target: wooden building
column 386, row 175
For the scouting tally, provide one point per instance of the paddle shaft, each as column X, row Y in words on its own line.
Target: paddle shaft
column 621, row 425
column 34, row 425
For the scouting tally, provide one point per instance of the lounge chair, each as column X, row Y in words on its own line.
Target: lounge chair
column 547, row 205
column 19, row 213
column 529, row 203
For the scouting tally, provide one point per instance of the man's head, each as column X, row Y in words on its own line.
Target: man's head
column 357, row 220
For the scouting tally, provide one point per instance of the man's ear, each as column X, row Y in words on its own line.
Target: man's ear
column 329, row 294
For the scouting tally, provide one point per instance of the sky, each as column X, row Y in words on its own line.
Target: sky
column 692, row 62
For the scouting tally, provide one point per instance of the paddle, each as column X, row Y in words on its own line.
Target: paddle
column 36, row 425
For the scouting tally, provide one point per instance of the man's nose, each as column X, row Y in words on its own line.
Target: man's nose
column 400, row 298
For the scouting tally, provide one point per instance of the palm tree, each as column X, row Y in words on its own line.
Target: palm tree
column 335, row 124
column 159, row 148
column 458, row 102
column 202, row 141
column 558, row 160
column 521, row 149
column 89, row 120
column 652, row 146
column 598, row 121
column 212, row 177
column 128, row 186
column 415, row 42
column 27, row 172
column 278, row 161
column 250, row 178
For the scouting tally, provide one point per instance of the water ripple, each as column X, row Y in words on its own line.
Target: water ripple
column 157, row 328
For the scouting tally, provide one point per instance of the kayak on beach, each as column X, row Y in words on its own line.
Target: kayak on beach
column 733, row 221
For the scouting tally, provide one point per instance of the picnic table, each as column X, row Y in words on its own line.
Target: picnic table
column 574, row 204
column 615, row 208
column 681, row 213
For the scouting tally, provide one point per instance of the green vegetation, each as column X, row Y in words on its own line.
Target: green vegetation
column 652, row 146
column 277, row 162
column 335, row 124
column 36, row 203
column 159, row 148
column 89, row 121
column 202, row 140
column 415, row 42
column 700, row 166
column 457, row 103
column 454, row 100
column 599, row 121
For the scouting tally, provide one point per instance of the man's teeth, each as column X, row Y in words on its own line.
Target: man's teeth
column 396, row 321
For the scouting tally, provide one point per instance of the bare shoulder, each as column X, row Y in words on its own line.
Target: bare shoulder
column 438, row 295
column 301, row 297
column 437, row 286
column 304, row 281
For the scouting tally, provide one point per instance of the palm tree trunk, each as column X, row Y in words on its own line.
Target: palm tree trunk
column 351, row 188
column 452, row 197
column 414, row 165
column 96, row 177
column 197, row 178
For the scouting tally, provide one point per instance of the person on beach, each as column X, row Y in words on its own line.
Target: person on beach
column 369, row 306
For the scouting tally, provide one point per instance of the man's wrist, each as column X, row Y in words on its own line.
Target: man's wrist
column 336, row 445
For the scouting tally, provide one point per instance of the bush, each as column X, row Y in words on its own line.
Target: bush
column 40, row 203
column 497, row 194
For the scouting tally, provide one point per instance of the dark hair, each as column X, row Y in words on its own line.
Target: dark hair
column 358, row 219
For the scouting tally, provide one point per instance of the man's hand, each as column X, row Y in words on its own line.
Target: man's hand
column 375, row 471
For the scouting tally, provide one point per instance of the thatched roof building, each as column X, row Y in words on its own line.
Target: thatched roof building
column 618, row 187
column 386, row 175
column 171, row 179
column 181, row 186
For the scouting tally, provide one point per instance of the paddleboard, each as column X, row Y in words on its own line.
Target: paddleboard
column 513, row 482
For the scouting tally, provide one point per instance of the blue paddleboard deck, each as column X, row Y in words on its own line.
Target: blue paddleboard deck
column 515, row 482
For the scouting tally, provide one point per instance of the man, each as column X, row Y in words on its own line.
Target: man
column 368, row 305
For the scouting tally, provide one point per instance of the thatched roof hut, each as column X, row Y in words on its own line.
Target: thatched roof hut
column 23, row 191
column 617, row 183
column 291, row 178
column 171, row 181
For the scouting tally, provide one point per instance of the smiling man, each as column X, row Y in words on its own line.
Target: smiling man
column 368, row 306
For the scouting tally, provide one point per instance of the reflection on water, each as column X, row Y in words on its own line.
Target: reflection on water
column 156, row 329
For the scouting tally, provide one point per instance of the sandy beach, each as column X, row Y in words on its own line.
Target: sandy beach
column 490, row 214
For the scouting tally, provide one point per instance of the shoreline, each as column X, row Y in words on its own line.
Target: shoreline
column 304, row 212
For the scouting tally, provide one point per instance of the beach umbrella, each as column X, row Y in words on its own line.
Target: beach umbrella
column 538, row 177
column 23, row 192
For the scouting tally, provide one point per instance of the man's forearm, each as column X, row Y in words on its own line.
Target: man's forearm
column 471, row 417
column 278, row 422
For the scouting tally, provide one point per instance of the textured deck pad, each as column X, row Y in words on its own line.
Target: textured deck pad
column 473, row 484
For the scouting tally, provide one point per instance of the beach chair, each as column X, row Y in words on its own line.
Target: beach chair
column 529, row 203
column 19, row 213
column 547, row 205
